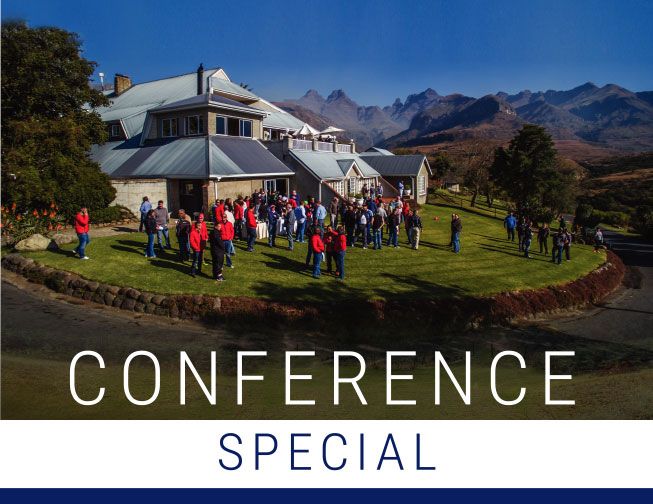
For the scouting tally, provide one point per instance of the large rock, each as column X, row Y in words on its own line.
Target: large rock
column 63, row 238
column 34, row 242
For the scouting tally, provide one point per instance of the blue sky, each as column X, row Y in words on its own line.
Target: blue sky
column 374, row 50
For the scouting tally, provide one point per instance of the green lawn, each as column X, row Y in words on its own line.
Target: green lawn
column 487, row 264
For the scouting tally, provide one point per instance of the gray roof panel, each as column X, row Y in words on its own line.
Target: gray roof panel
column 248, row 155
column 329, row 165
column 396, row 166
column 229, row 87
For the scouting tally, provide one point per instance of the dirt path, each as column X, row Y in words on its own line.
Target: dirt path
column 99, row 232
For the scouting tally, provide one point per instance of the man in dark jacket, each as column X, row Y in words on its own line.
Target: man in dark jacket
column 289, row 222
column 217, row 251
column 456, row 229
column 415, row 229
column 350, row 225
column 543, row 239
column 273, row 217
column 558, row 244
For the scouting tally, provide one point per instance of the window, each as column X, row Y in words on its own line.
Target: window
column 221, row 125
column 421, row 185
column 338, row 186
column 245, row 128
column 194, row 125
column 353, row 185
column 271, row 185
column 169, row 127
column 233, row 126
column 115, row 130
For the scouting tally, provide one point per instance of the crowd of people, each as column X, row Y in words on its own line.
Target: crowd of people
column 561, row 239
column 369, row 223
column 351, row 223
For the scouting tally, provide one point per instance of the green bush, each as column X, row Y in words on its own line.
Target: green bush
column 110, row 214
column 620, row 219
column 643, row 221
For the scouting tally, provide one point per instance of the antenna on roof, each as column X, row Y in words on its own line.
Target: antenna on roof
column 101, row 74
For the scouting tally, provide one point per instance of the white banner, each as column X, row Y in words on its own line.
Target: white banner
column 326, row 453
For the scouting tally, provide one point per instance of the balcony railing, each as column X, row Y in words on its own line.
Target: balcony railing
column 345, row 148
column 325, row 146
column 302, row 144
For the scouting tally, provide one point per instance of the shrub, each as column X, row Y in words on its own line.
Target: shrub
column 643, row 221
column 620, row 219
column 110, row 214
column 17, row 226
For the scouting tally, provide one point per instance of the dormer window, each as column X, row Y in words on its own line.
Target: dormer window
column 169, row 128
column 194, row 125
column 115, row 130
column 233, row 126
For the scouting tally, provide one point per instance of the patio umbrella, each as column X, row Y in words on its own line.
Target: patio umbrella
column 307, row 130
column 330, row 130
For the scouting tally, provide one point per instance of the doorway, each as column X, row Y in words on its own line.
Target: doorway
column 190, row 196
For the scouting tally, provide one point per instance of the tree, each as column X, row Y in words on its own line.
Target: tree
column 47, row 127
column 530, row 173
column 440, row 164
column 476, row 161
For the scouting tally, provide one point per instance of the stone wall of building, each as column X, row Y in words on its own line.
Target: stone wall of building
column 130, row 192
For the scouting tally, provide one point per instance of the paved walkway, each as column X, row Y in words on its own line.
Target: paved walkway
column 627, row 315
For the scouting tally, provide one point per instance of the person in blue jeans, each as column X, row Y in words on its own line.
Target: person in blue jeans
column 300, row 217
column 150, row 229
column 317, row 245
column 510, row 223
column 558, row 247
column 456, row 229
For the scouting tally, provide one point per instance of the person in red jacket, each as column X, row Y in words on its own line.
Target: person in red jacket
column 219, row 211
column 81, row 228
column 239, row 217
column 228, row 237
column 340, row 246
column 196, row 248
column 330, row 236
column 204, row 236
column 250, row 223
column 317, row 247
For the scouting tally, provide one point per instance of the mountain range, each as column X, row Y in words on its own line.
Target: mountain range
column 609, row 118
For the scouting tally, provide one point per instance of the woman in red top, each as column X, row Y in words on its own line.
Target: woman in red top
column 317, row 246
column 81, row 228
column 250, row 223
column 340, row 246
column 197, row 245
column 330, row 237
column 227, row 235
column 204, row 236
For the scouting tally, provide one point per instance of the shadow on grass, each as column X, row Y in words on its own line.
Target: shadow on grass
column 535, row 256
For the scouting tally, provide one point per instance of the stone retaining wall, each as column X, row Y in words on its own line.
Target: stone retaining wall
column 443, row 314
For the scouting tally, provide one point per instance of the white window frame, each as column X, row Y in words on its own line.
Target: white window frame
column 241, row 128
column 115, row 130
column 273, row 183
column 421, row 185
column 200, row 125
column 172, row 121
column 351, row 180
column 338, row 186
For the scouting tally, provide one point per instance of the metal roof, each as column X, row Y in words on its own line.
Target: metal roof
column 137, row 99
column 225, row 86
column 240, row 156
column 189, row 158
column 282, row 120
column 205, row 99
column 180, row 158
column 377, row 151
column 396, row 166
column 329, row 165
column 112, row 155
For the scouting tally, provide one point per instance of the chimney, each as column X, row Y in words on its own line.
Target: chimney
column 121, row 83
column 200, row 79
